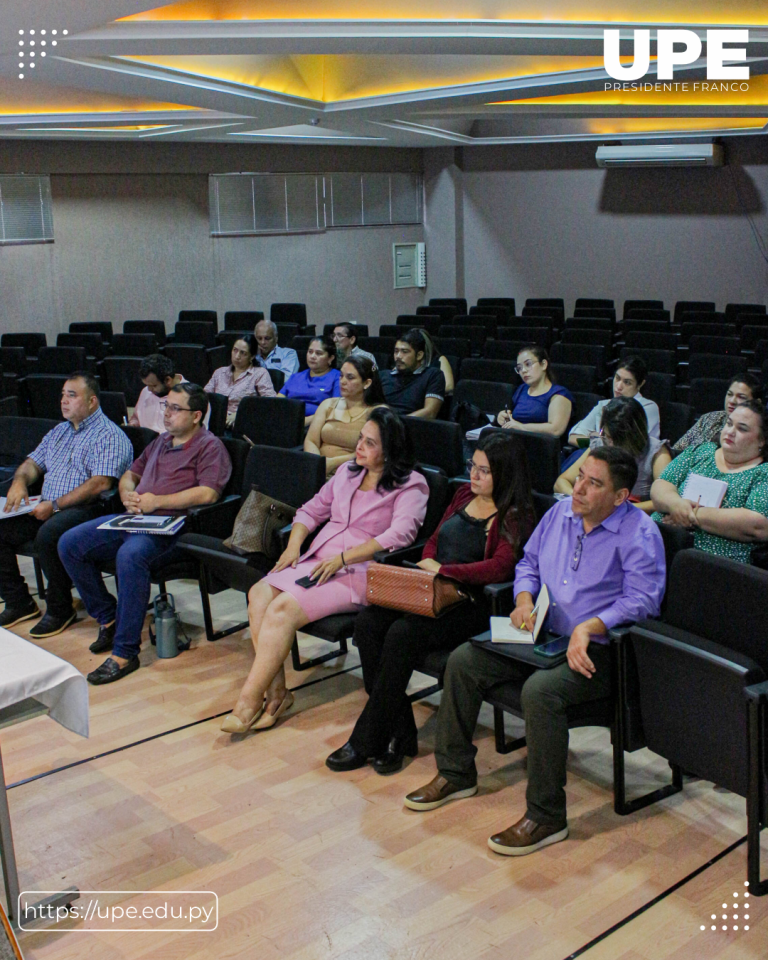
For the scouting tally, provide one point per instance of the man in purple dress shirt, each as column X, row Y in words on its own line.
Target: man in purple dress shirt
column 603, row 562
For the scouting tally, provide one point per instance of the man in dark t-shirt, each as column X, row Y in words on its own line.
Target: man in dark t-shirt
column 183, row 468
column 412, row 388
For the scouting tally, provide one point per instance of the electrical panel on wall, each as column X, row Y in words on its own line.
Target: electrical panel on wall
column 410, row 264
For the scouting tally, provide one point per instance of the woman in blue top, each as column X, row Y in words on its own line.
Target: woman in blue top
column 538, row 405
column 318, row 382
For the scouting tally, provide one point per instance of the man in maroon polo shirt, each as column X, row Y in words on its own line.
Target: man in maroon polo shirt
column 183, row 468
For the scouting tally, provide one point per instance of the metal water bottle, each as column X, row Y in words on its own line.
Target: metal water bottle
column 165, row 626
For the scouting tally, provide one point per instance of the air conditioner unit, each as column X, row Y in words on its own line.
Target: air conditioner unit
column 661, row 155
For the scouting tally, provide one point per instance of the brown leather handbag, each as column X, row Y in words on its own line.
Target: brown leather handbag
column 412, row 591
column 258, row 524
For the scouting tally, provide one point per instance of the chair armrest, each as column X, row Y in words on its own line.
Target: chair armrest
column 395, row 558
column 502, row 596
column 757, row 691
column 215, row 519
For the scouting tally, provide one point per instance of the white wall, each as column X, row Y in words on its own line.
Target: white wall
column 132, row 241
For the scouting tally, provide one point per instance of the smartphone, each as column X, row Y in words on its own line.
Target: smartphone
column 410, row 565
column 306, row 582
column 553, row 647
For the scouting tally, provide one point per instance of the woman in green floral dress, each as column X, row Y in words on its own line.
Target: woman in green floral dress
column 731, row 529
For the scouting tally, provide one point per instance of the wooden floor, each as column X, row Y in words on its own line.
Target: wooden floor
column 309, row 864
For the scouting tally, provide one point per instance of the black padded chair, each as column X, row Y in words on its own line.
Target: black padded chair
column 14, row 360
column 200, row 316
column 659, row 387
column 459, row 347
column 729, row 346
column 270, row 421
column 707, row 394
column 227, row 338
column 9, row 407
column 195, row 332
column 491, row 397
column 543, row 453
column 407, row 321
column 459, row 302
column 62, row 360
column 661, row 361
column 502, row 349
column 104, row 327
column 585, row 322
column 289, row 313
column 538, row 334
column 30, row 342
column 557, row 304
column 715, row 366
column 122, row 376
column 502, row 313
column 378, row 344
column 242, row 319
column 675, row 418
column 474, row 333
column 140, row 438
column 135, row 344
column 576, row 376
column 288, row 476
column 507, row 302
column 42, row 393
column 581, row 354
column 751, row 335
column 585, row 335
column 694, row 658
column 494, row 371
column 92, row 343
column 690, row 306
column 437, row 443
column 589, row 302
column 278, row 378
column 191, row 360
column 155, row 327
column 705, row 327
column 217, row 404
column 114, row 406
column 446, row 312
column 732, row 310
column 582, row 404
column 641, row 340
column 18, row 438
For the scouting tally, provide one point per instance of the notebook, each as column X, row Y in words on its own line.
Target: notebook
column 27, row 507
column 705, row 491
column 144, row 523
column 502, row 630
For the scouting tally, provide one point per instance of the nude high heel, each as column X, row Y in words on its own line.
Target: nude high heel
column 233, row 724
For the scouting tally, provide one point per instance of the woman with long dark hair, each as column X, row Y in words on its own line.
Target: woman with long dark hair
column 335, row 427
column 378, row 502
column 539, row 405
column 478, row 541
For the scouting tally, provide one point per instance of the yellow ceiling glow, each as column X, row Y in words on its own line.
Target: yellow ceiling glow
column 331, row 78
column 753, row 12
column 34, row 98
column 694, row 96
column 613, row 127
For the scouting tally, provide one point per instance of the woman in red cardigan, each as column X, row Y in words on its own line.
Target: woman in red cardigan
column 478, row 541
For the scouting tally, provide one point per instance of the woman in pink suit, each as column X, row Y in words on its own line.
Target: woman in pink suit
column 376, row 502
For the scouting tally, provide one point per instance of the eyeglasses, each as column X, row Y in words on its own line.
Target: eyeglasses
column 340, row 336
column 481, row 471
column 526, row 365
column 576, row 558
column 175, row 408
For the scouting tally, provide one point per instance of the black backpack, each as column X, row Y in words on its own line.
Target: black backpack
column 468, row 416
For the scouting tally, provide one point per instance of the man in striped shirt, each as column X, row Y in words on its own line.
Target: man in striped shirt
column 77, row 460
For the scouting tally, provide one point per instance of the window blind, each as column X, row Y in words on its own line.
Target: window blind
column 26, row 214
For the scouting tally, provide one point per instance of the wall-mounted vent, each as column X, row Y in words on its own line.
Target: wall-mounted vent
column 661, row 155
column 26, row 214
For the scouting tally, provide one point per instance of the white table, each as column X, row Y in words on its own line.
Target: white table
column 31, row 676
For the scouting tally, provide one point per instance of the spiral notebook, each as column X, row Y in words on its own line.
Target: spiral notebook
column 706, row 491
column 144, row 523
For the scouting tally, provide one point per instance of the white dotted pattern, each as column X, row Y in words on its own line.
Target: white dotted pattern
column 31, row 43
column 703, row 927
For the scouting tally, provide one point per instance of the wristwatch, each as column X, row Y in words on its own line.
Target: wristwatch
column 55, row 505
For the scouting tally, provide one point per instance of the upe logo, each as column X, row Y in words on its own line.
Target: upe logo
column 688, row 50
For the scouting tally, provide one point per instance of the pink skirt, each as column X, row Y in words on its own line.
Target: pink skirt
column 334, row 596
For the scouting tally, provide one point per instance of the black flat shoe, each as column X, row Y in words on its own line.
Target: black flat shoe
column 105, row 639
column 397, row 751
column 50, row 625
column 346, row 758
column 111, row 670
column 13, row 615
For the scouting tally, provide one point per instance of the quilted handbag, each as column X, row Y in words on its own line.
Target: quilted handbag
column 258, row 524
column 412, row 591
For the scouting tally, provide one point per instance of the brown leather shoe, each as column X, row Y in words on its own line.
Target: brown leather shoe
column 436, row 793
column 525, row 837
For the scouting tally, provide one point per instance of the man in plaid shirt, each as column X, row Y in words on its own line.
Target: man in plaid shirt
column 78, row 460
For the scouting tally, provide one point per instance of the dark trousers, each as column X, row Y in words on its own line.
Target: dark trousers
column 83, row 552
column 19, row 530
column 392, row 644
column 546, row 695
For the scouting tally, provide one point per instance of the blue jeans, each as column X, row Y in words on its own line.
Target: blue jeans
column 85, row 548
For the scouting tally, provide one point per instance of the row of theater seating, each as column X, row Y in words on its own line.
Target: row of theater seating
column 667, row 673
